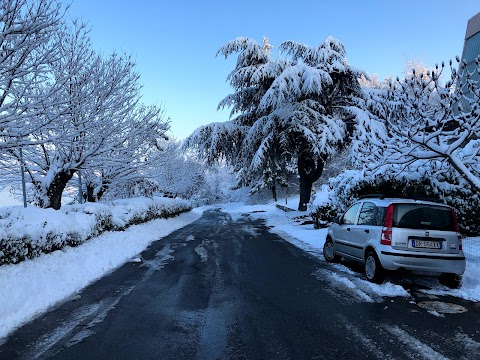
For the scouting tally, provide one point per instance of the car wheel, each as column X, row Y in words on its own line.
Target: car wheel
column 329, row 252
column 450, row 280
column 373, row 268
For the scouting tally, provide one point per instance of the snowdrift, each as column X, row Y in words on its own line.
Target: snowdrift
column 26, row 233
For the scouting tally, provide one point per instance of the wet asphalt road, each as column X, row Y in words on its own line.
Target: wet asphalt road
column 224, row 289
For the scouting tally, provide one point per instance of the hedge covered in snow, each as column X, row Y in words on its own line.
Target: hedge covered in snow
column 350, row 185
column 26, row 233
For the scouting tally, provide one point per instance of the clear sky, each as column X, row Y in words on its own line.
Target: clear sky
column 175, row 42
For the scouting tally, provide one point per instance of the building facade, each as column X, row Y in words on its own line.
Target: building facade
column 471, row 47
column 471, row 51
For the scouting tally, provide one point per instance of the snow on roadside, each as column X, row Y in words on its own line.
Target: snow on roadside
column 310, row 240
column 33, row 286
column 470, row 289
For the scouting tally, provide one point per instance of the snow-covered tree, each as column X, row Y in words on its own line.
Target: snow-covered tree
column 373, row 82
column 177, row 173
column 288, row 114
column 26, row 50
column 132, row 152
column 421, row 126
column 254, row 73
column 98, row 121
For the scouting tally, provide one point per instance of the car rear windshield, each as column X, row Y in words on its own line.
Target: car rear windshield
column 422, row 216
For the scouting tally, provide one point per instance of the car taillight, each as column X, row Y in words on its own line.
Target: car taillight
column 386, row 238
column 457, row 229
column 455, row 222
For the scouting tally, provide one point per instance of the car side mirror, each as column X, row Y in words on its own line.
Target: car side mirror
column 336, row 220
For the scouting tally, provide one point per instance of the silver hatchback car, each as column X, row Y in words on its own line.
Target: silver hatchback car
column 388, row 234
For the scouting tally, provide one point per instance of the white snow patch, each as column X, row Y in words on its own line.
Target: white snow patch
column 31, row 287
column 202, row 252
column 340, row 280
column 362, row 289
column 162, row 258
column 386, row 289
column 416, row 345
column 7, row 198
column 310, row 240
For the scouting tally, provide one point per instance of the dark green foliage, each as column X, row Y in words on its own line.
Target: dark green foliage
column 390, row 187
column 467, row 206
column 322, row 215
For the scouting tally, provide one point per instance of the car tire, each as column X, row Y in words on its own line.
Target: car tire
column 329, row 252
column 453, row 281
column 373, row 268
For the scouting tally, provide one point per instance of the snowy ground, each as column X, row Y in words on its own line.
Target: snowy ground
column 31, row 287
column 7, row 199
column 311, row 240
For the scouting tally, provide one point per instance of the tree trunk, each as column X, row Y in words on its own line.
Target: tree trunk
column 94, row 197
column 102, row 191
column 274, row 191
column 56, row 187
column 90, row 196
column 309, row 170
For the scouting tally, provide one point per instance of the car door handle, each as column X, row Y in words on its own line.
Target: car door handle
column 348, row 229
column 367, row 231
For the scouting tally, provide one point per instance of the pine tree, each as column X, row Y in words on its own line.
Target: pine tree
column 289, row 113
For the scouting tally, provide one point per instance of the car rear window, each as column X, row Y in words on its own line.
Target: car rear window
column 421, row 216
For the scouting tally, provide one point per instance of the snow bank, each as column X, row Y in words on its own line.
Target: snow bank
column 31, row 287
column 305, row 237
column 30, row 232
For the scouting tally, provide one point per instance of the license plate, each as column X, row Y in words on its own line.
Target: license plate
column 427, row 244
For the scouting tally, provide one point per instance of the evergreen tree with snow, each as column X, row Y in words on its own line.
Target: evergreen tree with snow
column 287, row 115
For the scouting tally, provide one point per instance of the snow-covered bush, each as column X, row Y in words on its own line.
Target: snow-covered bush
column 26, row 233
column 322, row 215
column 128, row 212
column 321, row 207
column 349, row 186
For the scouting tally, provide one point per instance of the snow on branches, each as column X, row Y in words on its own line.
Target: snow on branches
column 420, row 125
column 286, row 113
column 26, row 50
column 68, row 107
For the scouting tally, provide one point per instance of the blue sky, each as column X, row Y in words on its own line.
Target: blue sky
column 175, row 43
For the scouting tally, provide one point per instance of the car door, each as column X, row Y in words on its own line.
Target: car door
column 363, row 229
column 342, row 233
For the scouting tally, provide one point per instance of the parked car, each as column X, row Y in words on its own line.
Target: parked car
column 387, row 234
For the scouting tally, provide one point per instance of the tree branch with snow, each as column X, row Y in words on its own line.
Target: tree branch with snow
column 420, row 121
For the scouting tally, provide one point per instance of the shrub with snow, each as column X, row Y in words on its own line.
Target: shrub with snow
column 349, row 186
column 26, row 233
